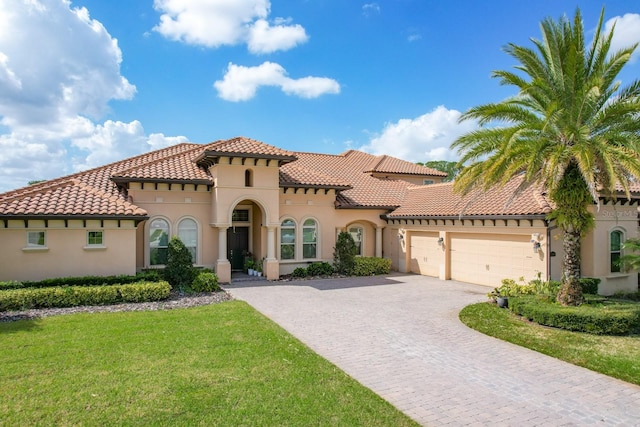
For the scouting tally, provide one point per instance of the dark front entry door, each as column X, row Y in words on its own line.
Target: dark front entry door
column 237, row 246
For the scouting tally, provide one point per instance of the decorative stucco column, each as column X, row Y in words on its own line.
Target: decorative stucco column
column 271, row 242
column 379, row 242
column 223, row 266
column 272, row 267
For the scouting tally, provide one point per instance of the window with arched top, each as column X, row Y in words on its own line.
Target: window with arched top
column 310, row 239
column 188, row 234
column 248, row 178
column 288, row 239
column 158, row 241
column 616, row 238
column 357, row 233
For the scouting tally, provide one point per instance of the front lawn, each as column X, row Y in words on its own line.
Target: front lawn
column 222, row 364
column 616, row 356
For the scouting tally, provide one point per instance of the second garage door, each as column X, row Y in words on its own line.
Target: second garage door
column 487, row 259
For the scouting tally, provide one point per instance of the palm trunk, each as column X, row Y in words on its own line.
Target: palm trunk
column 570, row 292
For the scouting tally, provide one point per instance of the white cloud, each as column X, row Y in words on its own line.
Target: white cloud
column 25, row 159
column 627, row 32
column 58, row 71
column 45, row 153
column 370, row 8
column 114, row 141
column 240, row 83
column 55, row 62
column 424, row 138
column 214, row 23
column 264, row 38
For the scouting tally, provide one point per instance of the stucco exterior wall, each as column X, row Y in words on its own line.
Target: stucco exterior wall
column 66, row 252
column 299, row 205
column 595, row 251
column 173, row 205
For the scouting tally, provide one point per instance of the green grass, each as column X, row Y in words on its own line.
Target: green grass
column 222, row 364
column 616, row 356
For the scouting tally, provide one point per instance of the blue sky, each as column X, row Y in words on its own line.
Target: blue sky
column 87, row 82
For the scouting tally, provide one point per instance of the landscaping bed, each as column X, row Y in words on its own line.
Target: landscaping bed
column 175, row 300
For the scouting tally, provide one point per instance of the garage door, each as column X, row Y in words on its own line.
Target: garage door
column 487, row 259
column 426, row 255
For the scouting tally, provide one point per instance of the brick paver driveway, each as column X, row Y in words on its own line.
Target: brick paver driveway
column 400, row 336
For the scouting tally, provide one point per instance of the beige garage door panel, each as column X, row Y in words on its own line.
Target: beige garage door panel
column 487, row 260
column 426, row 255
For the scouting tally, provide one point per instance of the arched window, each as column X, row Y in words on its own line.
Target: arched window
column 288, row 239
column 357, row 233
column 188, row 233
column 158, row 241
column 248, row 178
column 615, row 250
column 309, row 239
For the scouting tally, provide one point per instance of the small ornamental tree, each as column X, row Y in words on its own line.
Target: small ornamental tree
column 179, row 269
column 344, row 253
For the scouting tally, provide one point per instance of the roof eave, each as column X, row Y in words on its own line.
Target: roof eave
column 372, row 207
column 316, row 186
column 125, row 180
column 538, row 216
column 68, row 217
column 209, row 157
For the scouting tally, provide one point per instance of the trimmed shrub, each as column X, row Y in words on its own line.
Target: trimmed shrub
column 71, row 296
column 589, row 285
column 179, row 270
column 11, row 284
column 146, row 276
column 320, row 269
column 300, row 272
column 205, row 281
column 344, row 253
column 149, row 292
column 370, row 266
column 603, row 318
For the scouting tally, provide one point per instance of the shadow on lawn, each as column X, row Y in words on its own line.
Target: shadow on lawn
column 18, row 322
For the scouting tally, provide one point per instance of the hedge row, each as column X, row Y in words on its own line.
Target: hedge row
column 71, row 296
column 146, row 276
column 600, row 319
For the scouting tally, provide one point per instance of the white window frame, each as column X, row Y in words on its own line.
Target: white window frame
column 619, row 252
column 295, row 238
column 36, row 245
column 89, row 245
column 362, row 236
column 317, row 237
column 196, row 249
column 148, row 239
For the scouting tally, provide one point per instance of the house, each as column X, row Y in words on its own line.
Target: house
column 239, row 196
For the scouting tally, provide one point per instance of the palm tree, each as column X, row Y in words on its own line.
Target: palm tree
column 571, row 128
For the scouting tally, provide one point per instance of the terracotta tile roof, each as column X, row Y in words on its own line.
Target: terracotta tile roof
column 242, row 146
column 296, row 176
column 393, row 165
column 179, row 167
column 354, row 167
column 439, row 200
column 99, row 194
column 69, row 197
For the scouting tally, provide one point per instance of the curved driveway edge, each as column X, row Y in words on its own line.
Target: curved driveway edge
column 400, row 336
